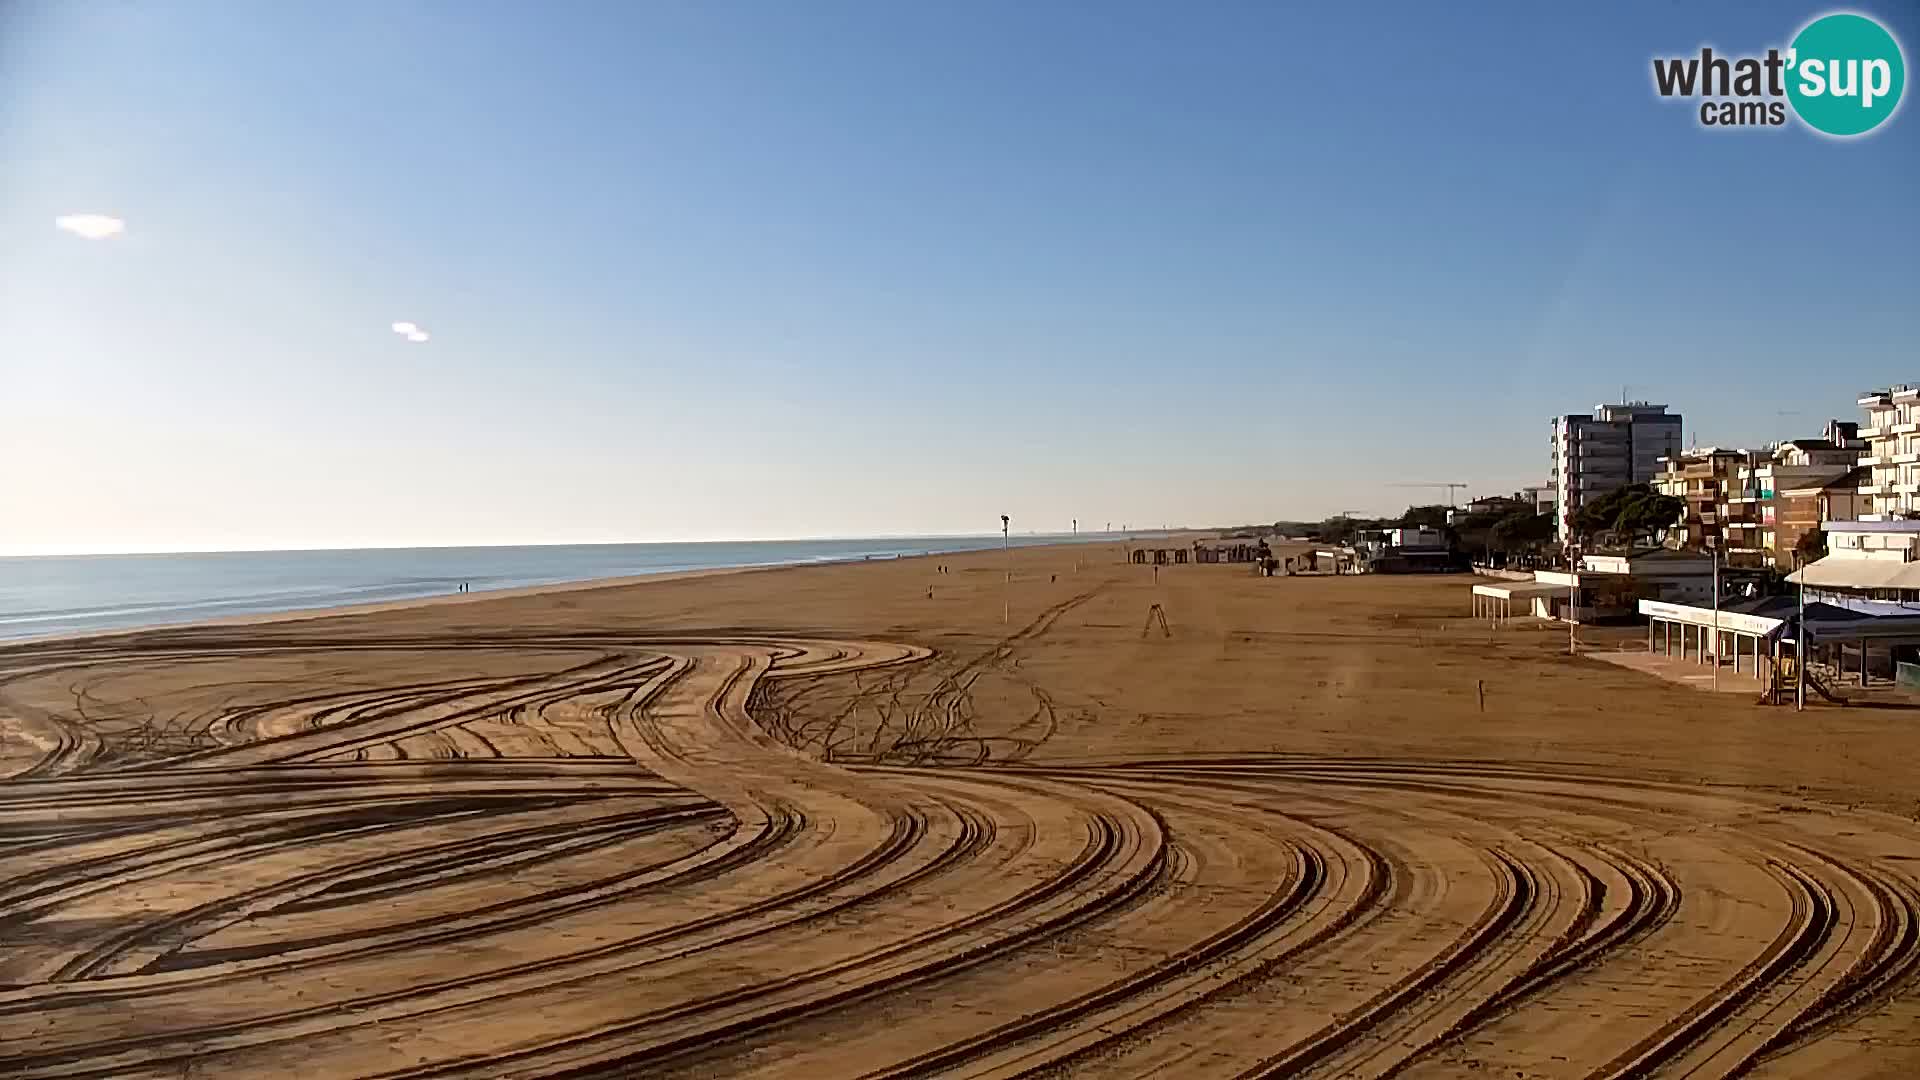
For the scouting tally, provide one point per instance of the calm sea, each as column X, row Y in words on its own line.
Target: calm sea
column 67, row 593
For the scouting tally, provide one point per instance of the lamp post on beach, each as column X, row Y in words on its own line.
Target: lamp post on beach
column 1006, row 587
column 1573, row 600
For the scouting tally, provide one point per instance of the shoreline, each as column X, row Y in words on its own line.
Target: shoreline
column 376, row 607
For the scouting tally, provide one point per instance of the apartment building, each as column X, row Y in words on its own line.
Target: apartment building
column 1892, row 435
column 1812, row 506
column 1877, row 555
column 1753, row 506
column 1701, row 478
column 1611, row 447
column 1761, row 524
column 1541, row 496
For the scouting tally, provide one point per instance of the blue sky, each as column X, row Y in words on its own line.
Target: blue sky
column 738, row 270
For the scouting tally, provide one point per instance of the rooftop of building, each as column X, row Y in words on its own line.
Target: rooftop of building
column 1910, row 527
column 1900, row 391
column 1852, row 478
column 1626, row 410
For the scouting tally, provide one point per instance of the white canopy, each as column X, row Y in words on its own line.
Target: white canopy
column 1841, row 572
column 1513, row 590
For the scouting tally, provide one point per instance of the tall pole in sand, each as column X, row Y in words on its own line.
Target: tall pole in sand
column 1800, row 642
column 1573, row 600
column 1716, row 618
column 1006, row 588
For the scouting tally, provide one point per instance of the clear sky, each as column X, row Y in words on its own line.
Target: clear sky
column 772, row 269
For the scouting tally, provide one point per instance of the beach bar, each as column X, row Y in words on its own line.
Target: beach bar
column 1751, row 638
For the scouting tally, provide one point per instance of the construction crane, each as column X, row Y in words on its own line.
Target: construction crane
column 1437, row 484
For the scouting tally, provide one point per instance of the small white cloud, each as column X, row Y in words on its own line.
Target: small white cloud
column 417, row 336
column 90, row 226
column 405, row 328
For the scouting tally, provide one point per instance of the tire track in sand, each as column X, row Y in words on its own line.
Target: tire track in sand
column 248, row 905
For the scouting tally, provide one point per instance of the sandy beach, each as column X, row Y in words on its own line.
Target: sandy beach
column 907, row 818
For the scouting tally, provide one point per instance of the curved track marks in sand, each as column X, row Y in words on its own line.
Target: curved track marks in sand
column 598, row 863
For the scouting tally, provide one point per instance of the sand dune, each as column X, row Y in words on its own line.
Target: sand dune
column 845, row 821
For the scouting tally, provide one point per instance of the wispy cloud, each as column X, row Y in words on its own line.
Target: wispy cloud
column 411, row 331
column 90, row 226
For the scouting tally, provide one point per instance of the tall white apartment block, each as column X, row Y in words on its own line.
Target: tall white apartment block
column 1892, row 435
column 1611, row 447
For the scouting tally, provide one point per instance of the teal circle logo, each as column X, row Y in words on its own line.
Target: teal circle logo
column 1845, row 73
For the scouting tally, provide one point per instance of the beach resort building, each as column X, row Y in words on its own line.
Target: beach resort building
column 1404, row 550
column 1866, row 560
column 1611, row 447
column 1605, row 588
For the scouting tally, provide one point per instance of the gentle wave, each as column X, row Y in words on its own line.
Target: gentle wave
column 44, row 595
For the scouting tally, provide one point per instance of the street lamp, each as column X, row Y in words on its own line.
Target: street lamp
column 1573, row 599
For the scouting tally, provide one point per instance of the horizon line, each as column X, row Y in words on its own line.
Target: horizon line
column 93, row 554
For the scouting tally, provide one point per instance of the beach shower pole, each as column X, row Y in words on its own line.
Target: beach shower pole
column 1800, row 641
column 1006, row 588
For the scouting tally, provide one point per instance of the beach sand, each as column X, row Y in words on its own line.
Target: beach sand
column 906, row 817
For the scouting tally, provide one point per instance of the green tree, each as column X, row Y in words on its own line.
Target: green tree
column 1424, row 517
column 1811, row 546
column 1624, row 515
column 1521, row 530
